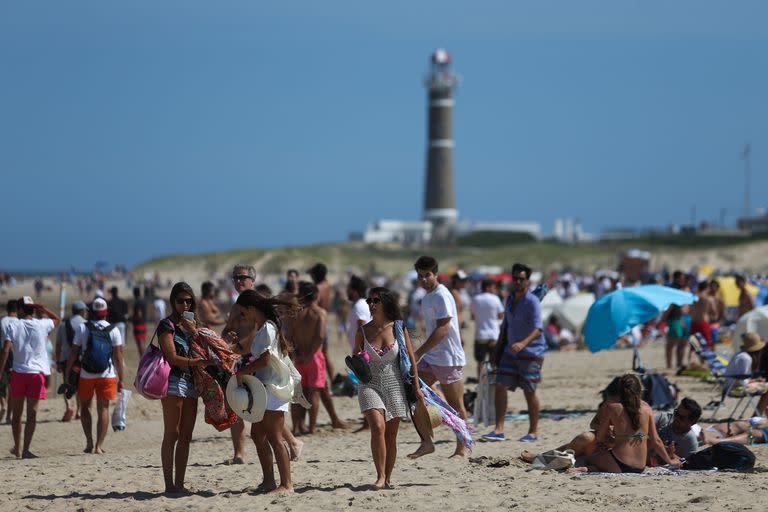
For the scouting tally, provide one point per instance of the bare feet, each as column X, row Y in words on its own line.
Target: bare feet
column 295, row 450
column 574, row 471
column 177, row 491
column 459, row 453
column 68, row 415
column 88, row 448
column 266, row 487
column 339, row 424
column 233, row 460
column 527, row 456
column 99, row 451
column 16, row 452
column 28, row 455
column 378, row 484
column 281, row 490
column 423, row 449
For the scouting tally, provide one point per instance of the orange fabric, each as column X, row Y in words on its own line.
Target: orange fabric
column 104, row 388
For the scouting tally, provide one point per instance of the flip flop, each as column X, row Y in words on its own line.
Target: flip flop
column 359, row 367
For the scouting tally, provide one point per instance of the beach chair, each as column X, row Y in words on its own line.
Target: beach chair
column 725, row 385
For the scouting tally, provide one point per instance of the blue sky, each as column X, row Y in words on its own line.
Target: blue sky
column 135, row 129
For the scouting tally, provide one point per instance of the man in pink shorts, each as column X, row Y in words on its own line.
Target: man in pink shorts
column 441, row 358
column 27, row 338
column 307, row 332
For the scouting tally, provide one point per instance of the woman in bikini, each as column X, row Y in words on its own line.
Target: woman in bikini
column 633, row 428
column 383, row 400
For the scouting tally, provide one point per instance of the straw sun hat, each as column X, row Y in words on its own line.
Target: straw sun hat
column 751, row 342
column 249, row 401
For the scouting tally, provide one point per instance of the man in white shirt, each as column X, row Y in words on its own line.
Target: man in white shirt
column 159, row 306
column 104, row 379
column 27, row 338
column 487, row 312
column 359, row 313
column 441, row 357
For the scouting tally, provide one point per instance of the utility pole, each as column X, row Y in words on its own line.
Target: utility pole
column 746, row 155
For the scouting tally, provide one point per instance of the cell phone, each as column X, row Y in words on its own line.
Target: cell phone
column 189, row 315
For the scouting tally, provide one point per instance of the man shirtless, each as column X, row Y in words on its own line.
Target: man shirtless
column 746, row 301
column 306, row 331
column 207, row 312
column 702, row 311
column 714, row 293
column 319, row 273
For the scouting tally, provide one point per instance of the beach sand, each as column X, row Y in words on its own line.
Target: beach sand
column 336, row 465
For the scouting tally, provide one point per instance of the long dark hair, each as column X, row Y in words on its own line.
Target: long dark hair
column 178, row 289
column 273, row 309
column 388, row 302
column 630, row 396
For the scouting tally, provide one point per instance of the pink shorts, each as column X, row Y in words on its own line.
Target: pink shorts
column 313, row 371
column 28, row 385
column 444, row 374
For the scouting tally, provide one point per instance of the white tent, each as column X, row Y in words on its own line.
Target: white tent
column 573, row 311
column 549, row 304
column 754, row 321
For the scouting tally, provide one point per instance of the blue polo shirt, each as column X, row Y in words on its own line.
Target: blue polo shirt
column 521, row 319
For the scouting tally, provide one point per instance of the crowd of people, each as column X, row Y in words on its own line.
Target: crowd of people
column 266, row 339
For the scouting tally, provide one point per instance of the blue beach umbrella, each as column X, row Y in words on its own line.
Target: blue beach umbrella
column 618, row 312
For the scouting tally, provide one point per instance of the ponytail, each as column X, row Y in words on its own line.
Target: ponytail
column 630, row 392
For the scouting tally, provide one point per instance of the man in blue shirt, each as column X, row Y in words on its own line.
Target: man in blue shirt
column 519, row 353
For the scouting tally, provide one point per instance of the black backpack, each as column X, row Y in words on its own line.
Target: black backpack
column 726, row 455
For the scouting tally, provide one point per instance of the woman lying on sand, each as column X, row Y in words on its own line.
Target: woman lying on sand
column 749, row 432
column 586, row 443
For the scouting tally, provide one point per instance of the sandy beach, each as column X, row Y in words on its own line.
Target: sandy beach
column 336, row 465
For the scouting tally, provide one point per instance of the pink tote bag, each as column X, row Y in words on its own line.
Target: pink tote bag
column 152, row 374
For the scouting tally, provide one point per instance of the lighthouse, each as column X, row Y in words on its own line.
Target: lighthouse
column 439, row 197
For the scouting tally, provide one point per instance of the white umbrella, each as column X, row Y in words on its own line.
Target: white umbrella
column 754, row 321
column 573, row 311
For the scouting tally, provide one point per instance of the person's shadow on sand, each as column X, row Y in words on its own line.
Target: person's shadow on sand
column 114, row 495
column 354, row 488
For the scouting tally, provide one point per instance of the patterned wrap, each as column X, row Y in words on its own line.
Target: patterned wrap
column 209, row 345
column 448, row 415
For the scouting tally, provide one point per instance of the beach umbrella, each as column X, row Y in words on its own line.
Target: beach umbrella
column 730, row 292
column 754, row 321
column 573, row 311
column 617, row 312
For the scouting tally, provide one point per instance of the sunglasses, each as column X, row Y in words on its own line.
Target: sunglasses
column 241, row 277
column 373, row 300
column 184, row 301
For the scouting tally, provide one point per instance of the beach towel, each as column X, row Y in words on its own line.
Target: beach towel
column 209, row 382
column 448, row 415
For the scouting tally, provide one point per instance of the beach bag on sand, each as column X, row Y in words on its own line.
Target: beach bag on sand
column 727, row 455
column 555, row 459
column 152, row 374
column 118, row 413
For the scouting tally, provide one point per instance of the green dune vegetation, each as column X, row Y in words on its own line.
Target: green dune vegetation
column 682, row 251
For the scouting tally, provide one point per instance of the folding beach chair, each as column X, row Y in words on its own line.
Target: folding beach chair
column 724, row 384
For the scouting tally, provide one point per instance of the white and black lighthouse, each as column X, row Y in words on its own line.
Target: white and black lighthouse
column 439, row 197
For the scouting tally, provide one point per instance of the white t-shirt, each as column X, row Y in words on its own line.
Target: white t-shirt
column 436, row 305
column 30, row 340
column 740, row 364
column 81, row 340
column 159, row 305
column 486, row 308
column 358, row 311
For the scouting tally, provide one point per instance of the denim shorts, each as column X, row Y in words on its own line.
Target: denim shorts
column 181, row 386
